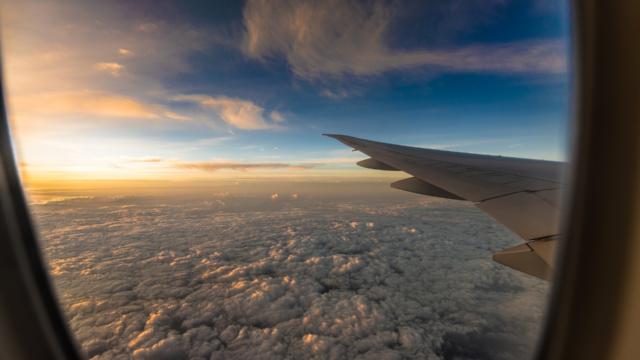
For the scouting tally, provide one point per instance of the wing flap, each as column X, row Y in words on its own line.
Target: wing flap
column 375, row 165
column 523, row 258
column 524, row 213
column 418, row 186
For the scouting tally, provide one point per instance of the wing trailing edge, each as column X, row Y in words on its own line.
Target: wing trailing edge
column 375, row 165
column 415, row 185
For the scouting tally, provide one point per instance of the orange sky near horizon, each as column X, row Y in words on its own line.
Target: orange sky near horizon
column 72, row 111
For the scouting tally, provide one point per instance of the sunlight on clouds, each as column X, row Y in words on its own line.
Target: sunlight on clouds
column 221, row 165
column 242, row 114
column 219, row 275
column 339, row 38
column 88, row 74
column 217, row 165
column 57, row 56
column 276, row 116
column 175, row 116
column 112, row 68
column 92, row 103
column 125, row 52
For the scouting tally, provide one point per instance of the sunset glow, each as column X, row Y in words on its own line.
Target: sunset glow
column 111, row 90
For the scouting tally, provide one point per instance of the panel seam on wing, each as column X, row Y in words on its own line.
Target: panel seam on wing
column 517, row 192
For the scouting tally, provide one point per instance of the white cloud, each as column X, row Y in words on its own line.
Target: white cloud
column 241, row 114
column 339, row 38
column 239, row 276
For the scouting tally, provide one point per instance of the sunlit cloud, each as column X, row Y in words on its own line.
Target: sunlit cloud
column 277, row 116
column 338, row 38
column 215, row 166
column 112, row 68
column 241, row 114
column 175, row 116
column 147, row 160
column 211, row 166
column 90, row 83
column 148, row 27
column 93, row 103
column 352, row 275
column 125, row 52
column 69, row 74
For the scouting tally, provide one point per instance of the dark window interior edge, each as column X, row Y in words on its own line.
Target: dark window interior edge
column 593, row 282
column 31, row 323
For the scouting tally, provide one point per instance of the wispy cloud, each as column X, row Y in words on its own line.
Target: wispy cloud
column 337, row 38
column 57, row 67
column 112, row 68
column 147, row 160
column 277, row 116
column 95, row 103
column 125, row 52
column 148, row 27
column 214, row 166
column 241, row 114
column 210, row 166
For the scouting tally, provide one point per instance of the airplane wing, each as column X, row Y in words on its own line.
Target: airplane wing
column 522, row 194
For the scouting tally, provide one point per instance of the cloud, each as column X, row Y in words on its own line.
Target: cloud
column 336, row 94
column 221, row 165
column 112, row 68
column 242, row 277
column 148, row 27
column 58, row 54
column 96, row 103
column 147, row 160
column 241, row 114
column 337, row 38
column 212, row 166
column 125, row 52
column 175, row 116
column 277, row 116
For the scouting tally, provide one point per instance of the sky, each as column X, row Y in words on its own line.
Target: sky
column 177, row 90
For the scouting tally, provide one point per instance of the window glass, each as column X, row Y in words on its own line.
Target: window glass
column 188, row 205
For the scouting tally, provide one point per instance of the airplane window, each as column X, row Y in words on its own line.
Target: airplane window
column 189, row 206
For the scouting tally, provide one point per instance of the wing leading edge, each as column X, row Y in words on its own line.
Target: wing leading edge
column 522, row 194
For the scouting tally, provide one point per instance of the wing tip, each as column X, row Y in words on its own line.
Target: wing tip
column 335, row 136
column 345, row 139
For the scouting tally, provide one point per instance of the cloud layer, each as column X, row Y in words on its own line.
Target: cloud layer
column 220, row 165
column 272, row 277
column 336, row 38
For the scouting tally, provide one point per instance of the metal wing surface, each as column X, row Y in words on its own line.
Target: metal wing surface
column 521, row 194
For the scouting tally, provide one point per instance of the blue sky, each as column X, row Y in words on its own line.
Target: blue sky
column 97, row 87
